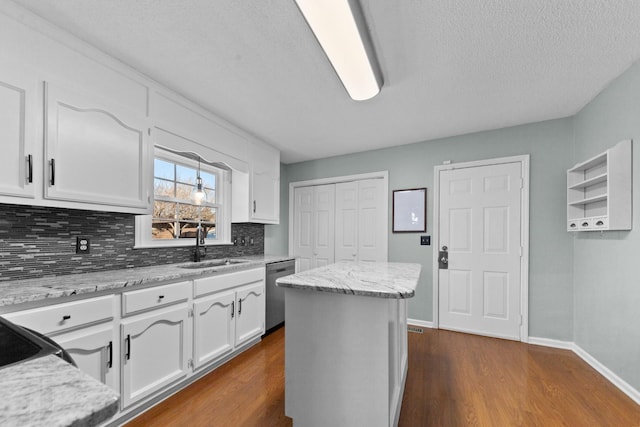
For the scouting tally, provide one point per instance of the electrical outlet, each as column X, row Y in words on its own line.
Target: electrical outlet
column 425, row 240
column 82, row 245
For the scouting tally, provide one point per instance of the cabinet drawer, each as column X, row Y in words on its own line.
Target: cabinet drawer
column 212, row 284
column 158, row 296
column 53, row 319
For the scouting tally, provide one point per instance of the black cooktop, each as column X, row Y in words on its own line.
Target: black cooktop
column 18, row 345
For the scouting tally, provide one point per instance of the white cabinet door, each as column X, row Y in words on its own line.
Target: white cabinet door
column 95, row 152
column 93, row 351
column 214, row 327
column 154, row 352
column 250, row 312
column 265, row 184
column 18, row 94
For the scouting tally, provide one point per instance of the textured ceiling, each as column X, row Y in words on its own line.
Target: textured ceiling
column 450, row 67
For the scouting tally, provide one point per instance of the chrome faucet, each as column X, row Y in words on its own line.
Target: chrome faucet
column 199, row 254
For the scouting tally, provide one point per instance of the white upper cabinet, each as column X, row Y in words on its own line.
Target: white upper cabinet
column 96, row 152
column 18, row 96
column 256, row 196
column 265, row 184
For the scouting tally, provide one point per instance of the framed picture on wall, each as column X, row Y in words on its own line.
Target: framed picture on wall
column 410, row 210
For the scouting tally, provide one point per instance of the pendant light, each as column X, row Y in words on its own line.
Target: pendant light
column 198, row 195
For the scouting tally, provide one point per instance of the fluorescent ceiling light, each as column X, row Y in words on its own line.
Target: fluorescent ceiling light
column 342, row 32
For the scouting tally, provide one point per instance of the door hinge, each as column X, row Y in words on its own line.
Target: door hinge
column 521, row 183
column 149, row 131
column 191, row 312
column 520, row 320
column 521, row 251
column 190, row 363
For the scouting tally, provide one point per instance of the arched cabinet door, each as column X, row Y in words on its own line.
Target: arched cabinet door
column 96, row 152
column 213, row 327
column 250, row 312
column 154, row 352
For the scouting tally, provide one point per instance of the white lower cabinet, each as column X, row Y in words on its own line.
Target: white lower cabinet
column 250, row 313
column 93, row 351
column 144, row 341
column 154, row 352
column 226, row 320
column 85, row 328
column 213, row 327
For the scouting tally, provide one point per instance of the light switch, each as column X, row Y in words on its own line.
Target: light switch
column 425, row 240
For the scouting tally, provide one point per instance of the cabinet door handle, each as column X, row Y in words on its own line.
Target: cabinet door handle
column 160, row 297
column 66, row 317
column 127, row 343
column 30, row 169
column 239, row 306
column 233, row 309
column 110, row 350
column 254, row 206
column 52, row 181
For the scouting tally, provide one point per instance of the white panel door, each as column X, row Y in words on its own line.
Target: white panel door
column 346, row 238
column 372, row 226
column 303, row 227
column 480, row 223
column 324, row 225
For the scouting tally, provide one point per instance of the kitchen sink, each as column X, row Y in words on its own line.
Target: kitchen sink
column 214, row 263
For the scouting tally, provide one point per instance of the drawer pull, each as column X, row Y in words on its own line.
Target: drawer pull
column 66, row 317
column 110, row 360
column 600, row 223
column 127, row 342
column 573, row 225
column 160, row 297
column 585, row 224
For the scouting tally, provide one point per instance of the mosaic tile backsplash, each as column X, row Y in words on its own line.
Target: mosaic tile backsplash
column 41, row 241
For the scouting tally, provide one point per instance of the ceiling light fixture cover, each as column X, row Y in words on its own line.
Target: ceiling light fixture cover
column 341, row 30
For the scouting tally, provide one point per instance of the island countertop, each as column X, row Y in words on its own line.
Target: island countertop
column 374, row 279
column 49, row 392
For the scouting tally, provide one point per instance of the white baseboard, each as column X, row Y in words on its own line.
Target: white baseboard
column 423, row 323
column 608, row 374
column 547, row 342
column 625, row 387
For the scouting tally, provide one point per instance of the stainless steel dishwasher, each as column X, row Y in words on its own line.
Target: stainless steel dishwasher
column 275, row 294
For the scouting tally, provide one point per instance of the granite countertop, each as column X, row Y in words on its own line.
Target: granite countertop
column 374, row 279
column 33, row 290
column 50, row 392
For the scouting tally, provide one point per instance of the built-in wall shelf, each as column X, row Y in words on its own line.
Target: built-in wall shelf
column 599, row 191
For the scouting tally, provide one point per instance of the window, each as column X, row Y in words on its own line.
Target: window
column 175, row 217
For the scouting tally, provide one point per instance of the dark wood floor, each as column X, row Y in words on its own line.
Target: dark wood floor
column 454, row 380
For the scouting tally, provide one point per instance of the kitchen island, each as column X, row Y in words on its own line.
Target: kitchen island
column 346, row 343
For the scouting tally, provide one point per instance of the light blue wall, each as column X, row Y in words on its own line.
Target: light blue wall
column 411, row 166
column 607, row 266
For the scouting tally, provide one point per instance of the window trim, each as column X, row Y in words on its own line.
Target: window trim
column 222, row 205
